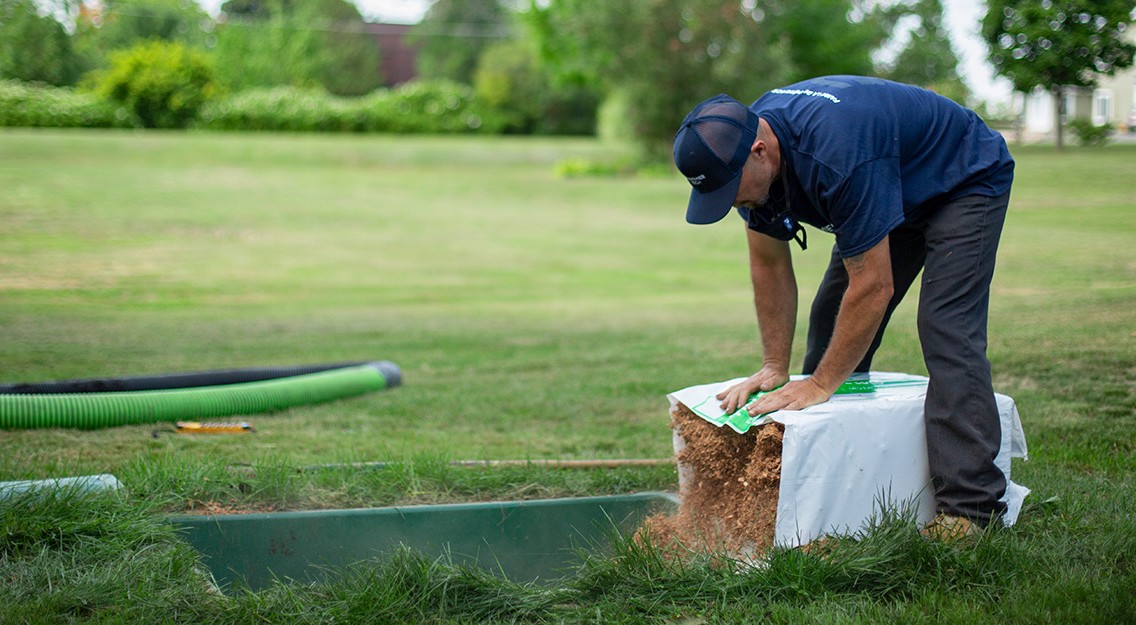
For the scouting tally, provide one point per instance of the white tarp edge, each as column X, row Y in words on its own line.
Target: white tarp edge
column 844, row 459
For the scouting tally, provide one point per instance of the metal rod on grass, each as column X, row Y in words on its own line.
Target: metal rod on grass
column 556, row 464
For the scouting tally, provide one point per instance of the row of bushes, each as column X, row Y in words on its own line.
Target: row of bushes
column 161, row 84
column 418, row 107
column 41, row 106
column 168, row 84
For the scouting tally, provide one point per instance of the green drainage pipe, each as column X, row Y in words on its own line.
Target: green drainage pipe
column 175, row 380
column 98, row 410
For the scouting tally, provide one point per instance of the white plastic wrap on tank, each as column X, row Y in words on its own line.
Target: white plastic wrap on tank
column 844, row 459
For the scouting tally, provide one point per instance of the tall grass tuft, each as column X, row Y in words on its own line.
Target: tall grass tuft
column 403, row 587
column 889, row 562
column 67, row 555
column 177, row 482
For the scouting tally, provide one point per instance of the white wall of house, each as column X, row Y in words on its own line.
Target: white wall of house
column 1036, row 109
column 1120, row 90
column 1111, row 102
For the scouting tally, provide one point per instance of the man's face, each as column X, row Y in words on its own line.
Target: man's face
column 757, row 177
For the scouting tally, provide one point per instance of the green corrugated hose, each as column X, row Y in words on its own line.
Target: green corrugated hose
column 98, row 410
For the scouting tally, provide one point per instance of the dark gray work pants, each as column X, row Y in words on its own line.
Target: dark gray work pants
column 955, row 247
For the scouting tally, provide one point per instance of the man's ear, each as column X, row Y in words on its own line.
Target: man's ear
column 759, row 147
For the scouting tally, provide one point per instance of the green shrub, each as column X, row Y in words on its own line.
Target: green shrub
column 1090, row 134
column 164, row 83
column 34, row 47
column 278, row 108
column 580, row 167
column 435, row 106
column 426, row 106
column 33, row 105
column 511, row 80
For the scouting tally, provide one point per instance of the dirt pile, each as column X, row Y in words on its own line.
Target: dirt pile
column 729, row 487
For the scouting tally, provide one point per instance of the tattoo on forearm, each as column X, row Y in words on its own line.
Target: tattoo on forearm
column 855, row 264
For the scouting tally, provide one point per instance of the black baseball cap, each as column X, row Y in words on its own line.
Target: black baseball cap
column 710, row 149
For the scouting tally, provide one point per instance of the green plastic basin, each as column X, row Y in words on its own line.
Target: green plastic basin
column 537, row 540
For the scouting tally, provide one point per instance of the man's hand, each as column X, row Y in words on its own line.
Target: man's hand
column 767, row 379
column 796, row 395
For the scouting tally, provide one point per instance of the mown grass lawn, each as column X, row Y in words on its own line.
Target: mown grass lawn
column 533, row 316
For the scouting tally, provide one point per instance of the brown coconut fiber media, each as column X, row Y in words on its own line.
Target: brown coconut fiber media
column 729, row 499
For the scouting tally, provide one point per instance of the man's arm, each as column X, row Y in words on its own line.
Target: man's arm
column 775, row 299
column 861, row 311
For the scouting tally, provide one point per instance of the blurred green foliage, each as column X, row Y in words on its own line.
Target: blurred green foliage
column 1090, row 134
column 827, row 37
column 305, row 43
column 22, row 104
column 437, row 106
column 121, row 24
column 163, row 83
column 34, row 47
column 453, row 35
column 510, row 79
column 276, row 108
column 929, row 60
column 426, row 106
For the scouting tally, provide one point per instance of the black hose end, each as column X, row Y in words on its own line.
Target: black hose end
column 390, row 371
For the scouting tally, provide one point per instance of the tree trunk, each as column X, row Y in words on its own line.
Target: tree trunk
column 1059, row 108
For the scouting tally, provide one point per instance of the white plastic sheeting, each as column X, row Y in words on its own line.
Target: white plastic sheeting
column 80, row 484
column 845, row 459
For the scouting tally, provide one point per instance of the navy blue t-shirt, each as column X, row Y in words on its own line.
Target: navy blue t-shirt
column 860, row 155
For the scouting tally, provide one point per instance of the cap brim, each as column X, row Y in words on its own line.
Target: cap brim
column 711, row 207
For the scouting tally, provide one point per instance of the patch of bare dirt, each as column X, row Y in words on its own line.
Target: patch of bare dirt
column 729, row 496
column 213, row 508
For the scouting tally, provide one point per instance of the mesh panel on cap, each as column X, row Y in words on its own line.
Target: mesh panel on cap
column 721, row 136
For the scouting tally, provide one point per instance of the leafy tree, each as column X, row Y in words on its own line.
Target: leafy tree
column 303, row 43
column 661, row 56
column 260, row 44
column 929, row 60
column 122, row 24
column 831, row 36
column 508, row 79
column 453, row 34
column 353, row 54
column 1057, row 44
column 511, row 79
column 34, row 47
column 162, row 82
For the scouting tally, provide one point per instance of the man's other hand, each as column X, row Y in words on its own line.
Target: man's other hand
column 767, row 379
